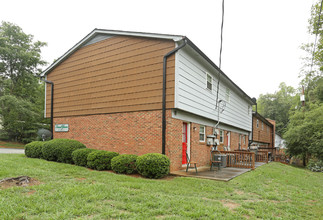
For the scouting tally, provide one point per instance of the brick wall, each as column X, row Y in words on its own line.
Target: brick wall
column 262, row 134
column 129, row 133
column 140, row 133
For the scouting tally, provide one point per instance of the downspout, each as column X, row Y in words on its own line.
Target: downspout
column 164, row 94
column 255, row 103
column 51, row 106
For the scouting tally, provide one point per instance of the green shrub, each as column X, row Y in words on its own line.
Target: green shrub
column 315, row 165
column 34, row 149
column 60, row 150
column 100, row 160
column 80, row 156
column 153, row 165
column 66, row 148
column 50, row 151
column 125, row 163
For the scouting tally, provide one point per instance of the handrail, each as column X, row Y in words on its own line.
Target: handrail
column 240, row 159
column 262, row 156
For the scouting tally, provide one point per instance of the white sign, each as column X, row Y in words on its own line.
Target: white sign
column 61, row 127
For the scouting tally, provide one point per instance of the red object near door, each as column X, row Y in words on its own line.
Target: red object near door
column 184, row 143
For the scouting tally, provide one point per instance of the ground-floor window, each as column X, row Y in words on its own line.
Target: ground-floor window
column 221, row 136
column 202, row 133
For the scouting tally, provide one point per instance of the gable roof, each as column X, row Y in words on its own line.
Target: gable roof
column 175, row 38
column 262, row 118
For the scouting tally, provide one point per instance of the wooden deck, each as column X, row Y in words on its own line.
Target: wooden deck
column 224, row 174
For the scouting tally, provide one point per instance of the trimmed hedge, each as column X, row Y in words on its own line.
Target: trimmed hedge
column 61, row 150
column 66, row 148
column 34, row 149
column 153, row 165
column 100, row 159
column 50, row 150
column 80, row 156
column 125, row 163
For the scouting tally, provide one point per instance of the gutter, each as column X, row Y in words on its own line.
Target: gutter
column 255, row 103
column 164, row 94
column 51, row 106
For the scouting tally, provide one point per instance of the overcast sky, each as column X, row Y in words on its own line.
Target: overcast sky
column 262, row 38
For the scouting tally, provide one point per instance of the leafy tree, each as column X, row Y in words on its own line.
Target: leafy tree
column 21, row 93
column 20, row 58
column 304, row 135
column 312, row 70
column 278, row 105
column 305, row 132
column 19, row 118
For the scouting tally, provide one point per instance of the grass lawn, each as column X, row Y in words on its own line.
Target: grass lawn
column 70, row 192
column 6, row 144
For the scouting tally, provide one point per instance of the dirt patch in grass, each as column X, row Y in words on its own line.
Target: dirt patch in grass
column 229, row 204
column 239, row 192
column 18, row 181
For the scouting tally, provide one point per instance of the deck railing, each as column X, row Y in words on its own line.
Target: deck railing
column 240, row 159
column 281, row 158
column 262, row 156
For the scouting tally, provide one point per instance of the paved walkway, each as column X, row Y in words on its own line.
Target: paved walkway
column 224, row 174
column 11, row 151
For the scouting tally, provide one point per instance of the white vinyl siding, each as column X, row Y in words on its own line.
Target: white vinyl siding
column 192, row 96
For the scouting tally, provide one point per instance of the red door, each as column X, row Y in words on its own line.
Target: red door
column 184, row 143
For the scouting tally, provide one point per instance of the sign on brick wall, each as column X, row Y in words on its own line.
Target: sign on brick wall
column 61, row 127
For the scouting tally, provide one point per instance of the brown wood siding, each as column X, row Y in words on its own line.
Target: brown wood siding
column 119, row 74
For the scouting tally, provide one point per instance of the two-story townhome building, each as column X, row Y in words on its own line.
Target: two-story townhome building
column 263, row 135
column 140, row 93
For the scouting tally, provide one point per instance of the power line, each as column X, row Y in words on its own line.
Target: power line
column 220, row 57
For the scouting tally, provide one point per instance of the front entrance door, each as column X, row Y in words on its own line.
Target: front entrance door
column 184, row 143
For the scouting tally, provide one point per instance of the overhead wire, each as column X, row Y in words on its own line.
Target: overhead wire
column 220, row 58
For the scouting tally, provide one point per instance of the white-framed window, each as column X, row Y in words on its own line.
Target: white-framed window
column 262, row 125
column 244, row 139
column 227, row 95
column 257, row 123
column 209, row 80
column 202, row 133
column 221, row 136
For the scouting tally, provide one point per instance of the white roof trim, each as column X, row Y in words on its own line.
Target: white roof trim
column 102, row 31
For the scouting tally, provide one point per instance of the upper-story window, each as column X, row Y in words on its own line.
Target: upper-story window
column 227, row 95
column 257, row 123
column 202, row 133
column 209, row 81
column 262, row 126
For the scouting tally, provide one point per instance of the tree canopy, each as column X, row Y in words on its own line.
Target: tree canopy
column 304, row 133
column 277, row 106
column 21, row 93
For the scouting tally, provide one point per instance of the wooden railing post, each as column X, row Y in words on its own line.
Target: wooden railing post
column 253, row 161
